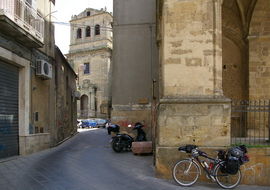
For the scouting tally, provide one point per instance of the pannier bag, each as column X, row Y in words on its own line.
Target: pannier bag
column 235, row 152
column 232, row 165
column 235, row 157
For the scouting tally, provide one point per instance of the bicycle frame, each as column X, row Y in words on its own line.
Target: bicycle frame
column 198, row 162
column 192, row 159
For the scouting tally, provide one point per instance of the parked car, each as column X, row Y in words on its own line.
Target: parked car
column 89, row 123
column 79, row 123
column 101, row 122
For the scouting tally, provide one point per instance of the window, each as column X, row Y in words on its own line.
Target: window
column 86, row 68
column 88, row 31
column 97, row 30
column 79, row 33
column 88, row 13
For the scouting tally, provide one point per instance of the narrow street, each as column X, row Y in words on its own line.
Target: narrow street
column 86, row 162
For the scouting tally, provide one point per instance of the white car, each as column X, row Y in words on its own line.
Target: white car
column 79, row 123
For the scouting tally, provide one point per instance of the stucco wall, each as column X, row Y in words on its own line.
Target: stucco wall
column 134, row 55
column 135, row 64
column 34, row 143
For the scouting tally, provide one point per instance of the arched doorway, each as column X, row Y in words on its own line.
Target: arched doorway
column 84, row 106
column 246, row 63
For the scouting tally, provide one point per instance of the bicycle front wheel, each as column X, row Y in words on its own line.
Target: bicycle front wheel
column 186, row 172
column 225, row 180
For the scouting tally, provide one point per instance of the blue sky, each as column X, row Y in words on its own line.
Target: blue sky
column 63, row 11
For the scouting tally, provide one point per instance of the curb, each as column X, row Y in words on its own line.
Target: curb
column 18, row 156
column 61, row 142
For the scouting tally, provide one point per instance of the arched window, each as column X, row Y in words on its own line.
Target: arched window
column 97, row 30
column 79, row 33
column 88, row 13
column 88, row 31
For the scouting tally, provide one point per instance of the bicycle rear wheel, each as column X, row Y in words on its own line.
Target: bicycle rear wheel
column 225, row 180
column 186, row 172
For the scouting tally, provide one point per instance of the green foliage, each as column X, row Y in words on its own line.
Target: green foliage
column 251, row 146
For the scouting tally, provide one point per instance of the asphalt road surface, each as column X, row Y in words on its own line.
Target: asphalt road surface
column 87, row 162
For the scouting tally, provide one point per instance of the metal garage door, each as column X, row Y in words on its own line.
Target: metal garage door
column 9, row 136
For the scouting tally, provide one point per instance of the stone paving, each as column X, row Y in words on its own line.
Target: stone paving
column 87, row 162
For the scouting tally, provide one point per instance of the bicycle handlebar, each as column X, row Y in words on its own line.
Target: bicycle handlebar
column 194, row 150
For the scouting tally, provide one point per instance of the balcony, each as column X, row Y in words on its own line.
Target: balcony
column 22, row 22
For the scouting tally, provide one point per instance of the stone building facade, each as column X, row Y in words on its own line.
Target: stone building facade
column 90, row 55
column 27, row 67
column 193, row 109
column 209, row 53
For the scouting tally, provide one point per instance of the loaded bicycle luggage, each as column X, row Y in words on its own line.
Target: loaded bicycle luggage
column 224, row 169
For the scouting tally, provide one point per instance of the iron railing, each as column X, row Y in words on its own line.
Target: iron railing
column 250, row 121
column 24, row 15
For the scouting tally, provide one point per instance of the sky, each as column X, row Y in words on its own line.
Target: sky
column 62, row 13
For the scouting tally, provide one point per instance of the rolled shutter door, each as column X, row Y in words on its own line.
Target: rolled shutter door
column 9, row 130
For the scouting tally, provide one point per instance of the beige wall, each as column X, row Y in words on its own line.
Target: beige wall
column 95, row 50
column 192, row 108
column 259, row 52
column 199, row 122
column 103, row 19
column 100, row 62
column 135, row 63
column 191, row 49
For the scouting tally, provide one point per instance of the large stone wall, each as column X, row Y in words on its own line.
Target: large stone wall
column 203, row 123
column 191, row 53
column 259, row 52
column 192, row 108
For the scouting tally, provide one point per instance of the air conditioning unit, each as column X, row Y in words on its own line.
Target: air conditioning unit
column 43, row 69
